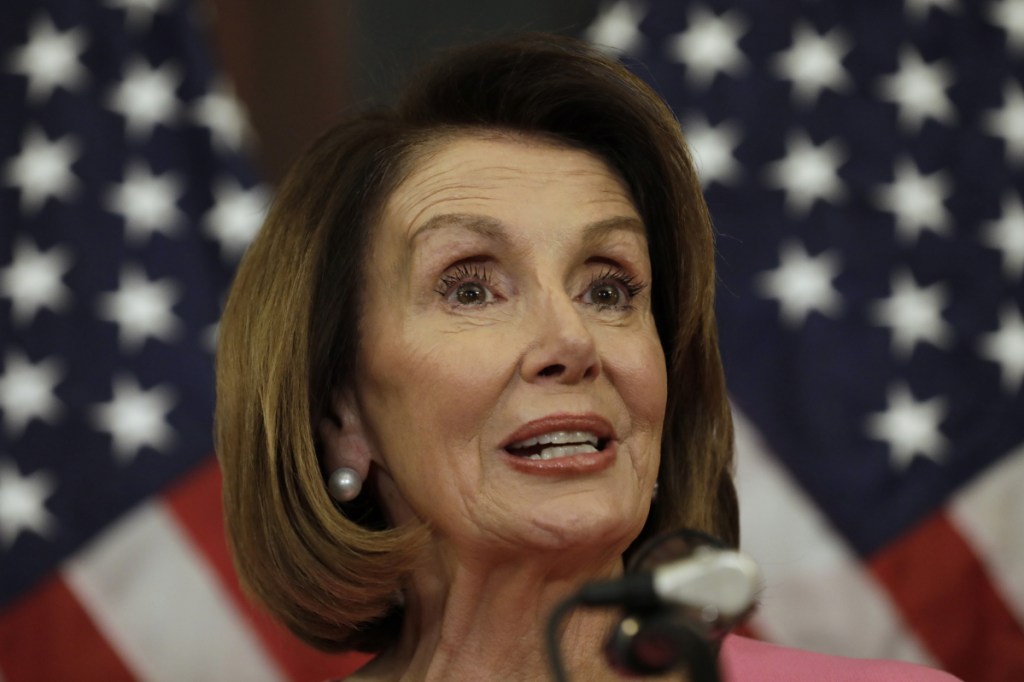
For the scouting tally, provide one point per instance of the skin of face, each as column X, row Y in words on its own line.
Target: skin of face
column 508, row 288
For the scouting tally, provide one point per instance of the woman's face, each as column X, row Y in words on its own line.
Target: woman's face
column 510, row 381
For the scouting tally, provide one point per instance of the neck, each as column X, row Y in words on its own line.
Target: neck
column 486, row 620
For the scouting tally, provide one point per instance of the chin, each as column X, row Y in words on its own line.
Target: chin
column 584, row 527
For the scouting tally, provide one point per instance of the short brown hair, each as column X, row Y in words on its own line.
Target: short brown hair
column 289, row 334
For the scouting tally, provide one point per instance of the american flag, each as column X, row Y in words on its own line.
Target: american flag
column 864, row 165
column 126, row 200
column 863, row 162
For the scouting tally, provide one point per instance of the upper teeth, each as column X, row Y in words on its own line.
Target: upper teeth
column 557, row 438
column 563, row 451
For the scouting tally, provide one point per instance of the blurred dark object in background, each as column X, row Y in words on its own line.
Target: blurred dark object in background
column 298, row 65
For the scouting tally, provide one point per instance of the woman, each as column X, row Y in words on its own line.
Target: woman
column 473, row 339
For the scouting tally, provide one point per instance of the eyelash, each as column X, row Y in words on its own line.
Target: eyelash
column 474, row 272
column 460, row 274
column 631, row 284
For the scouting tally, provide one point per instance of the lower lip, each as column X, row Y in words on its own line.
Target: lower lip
column 583, row 463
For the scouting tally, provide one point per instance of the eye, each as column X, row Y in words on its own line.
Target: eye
column 471, row 293
column 605, row 294
column 466, row 284
column 613, row 288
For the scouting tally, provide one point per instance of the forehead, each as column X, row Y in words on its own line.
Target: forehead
column 485, row 173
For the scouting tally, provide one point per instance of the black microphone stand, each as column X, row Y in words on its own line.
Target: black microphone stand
column 653, row 637
column 652, row 642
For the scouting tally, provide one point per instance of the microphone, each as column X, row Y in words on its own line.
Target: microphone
column 685, row 591
column 682, row 592
column 720, row 583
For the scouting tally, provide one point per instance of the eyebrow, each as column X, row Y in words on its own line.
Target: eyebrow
column 480, row 224
column 496, row 230
column 596, row 231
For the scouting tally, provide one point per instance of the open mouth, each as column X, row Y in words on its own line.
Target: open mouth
column 557, row 444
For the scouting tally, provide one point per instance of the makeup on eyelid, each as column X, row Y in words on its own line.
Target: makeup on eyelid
column 624, row 285
column 487, row 246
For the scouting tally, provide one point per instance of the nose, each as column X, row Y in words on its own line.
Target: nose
column 562, row 349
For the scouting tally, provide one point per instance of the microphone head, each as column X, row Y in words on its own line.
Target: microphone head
column 691, row 570
column 722, row 583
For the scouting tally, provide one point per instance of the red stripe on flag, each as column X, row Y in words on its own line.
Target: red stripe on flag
column 946, row 596
column 47, row 635
column 196, row 503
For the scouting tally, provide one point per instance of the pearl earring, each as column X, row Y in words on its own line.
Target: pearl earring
column 654, row 492
column 344, row 484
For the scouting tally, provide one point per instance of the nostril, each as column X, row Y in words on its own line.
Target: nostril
column 552, row 370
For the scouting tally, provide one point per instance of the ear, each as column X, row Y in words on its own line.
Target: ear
column 341, row 432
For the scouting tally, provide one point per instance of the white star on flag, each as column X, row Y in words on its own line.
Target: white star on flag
column 22, row 503
column 802, row 284
column 141, row 309
column 916, row 201
column 808, row 173
column 42, row 170
column 617, row 28
column 27, row 391
column 148, row 202
column 50, row 59
column 918, row 89
column 140, row 12
column 34, row 280
column 712, row 148
column 221, row 112
column 135, row 418
column 1005, row 346
column 709, row 45
column 914, row 314
column 1009, row 16
column 235, row 217
column 146, row 97
column 1007, row 123
column 813, row 63
column 1007, row 235
column 910, row 427
column 208, row 338
column 918, row 10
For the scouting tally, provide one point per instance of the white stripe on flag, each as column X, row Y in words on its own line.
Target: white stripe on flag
column 817, row 595
column 990, row 514
column 153, row 597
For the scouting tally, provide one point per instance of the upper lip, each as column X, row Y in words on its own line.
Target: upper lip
column 593, row 423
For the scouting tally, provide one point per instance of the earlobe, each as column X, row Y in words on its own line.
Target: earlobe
column 344, row 442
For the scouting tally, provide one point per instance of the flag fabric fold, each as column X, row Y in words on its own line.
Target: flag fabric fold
column 864, row 166
column 126, row 200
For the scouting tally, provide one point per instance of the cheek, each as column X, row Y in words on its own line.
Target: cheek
column 431, row 399
column 643, row 383
column 424, row 409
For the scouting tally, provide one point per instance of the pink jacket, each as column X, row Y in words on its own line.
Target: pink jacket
column 747, row 660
